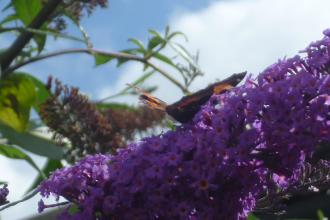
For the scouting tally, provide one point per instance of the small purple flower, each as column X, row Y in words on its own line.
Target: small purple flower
column 3, row 194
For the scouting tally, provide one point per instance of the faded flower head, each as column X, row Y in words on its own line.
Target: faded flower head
column 254, row 139
column 91, row 130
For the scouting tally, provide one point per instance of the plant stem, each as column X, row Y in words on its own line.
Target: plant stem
column 12, row 52
column 118, row 55
column 27, row 197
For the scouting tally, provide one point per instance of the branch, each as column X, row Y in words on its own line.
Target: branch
column 118, row 55
column 12, row 52
column 27, row 197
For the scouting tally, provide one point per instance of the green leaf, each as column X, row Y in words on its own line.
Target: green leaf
column 102, row 59
column 8, row 19
column 176, row 33
column 164, row 59
column 41, row 92
column 155, row 41
column 32, row 143
column 49, row 167
column 26, row 10
column 3, row 182
column 40, row 40
column 137, row 43
column 17, row 95
column 154, row 33
column 15, row 153
column 320, row 215
column 251, row 216
column 9, row 5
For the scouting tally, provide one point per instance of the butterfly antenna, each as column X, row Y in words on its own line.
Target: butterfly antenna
column 148, row 99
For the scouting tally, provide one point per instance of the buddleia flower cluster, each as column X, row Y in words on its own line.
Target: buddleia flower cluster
column 252, row 141
column 90, row 130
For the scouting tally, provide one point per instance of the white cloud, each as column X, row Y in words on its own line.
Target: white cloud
column 234, row 36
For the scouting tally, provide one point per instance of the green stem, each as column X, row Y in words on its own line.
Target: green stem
column 118, row 55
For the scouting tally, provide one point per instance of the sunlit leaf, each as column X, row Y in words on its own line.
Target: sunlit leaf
column 17, row 95
column 41, row 92
column 32, row 143
column 15, row 153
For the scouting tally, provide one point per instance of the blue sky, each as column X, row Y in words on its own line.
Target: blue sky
column 231, row 36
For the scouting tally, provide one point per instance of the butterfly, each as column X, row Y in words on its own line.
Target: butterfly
column 185, row 109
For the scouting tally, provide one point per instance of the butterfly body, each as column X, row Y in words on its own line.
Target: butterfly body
column 186, row 108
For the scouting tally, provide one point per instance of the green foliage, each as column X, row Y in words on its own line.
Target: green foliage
column 41, row 92
column 26, row 11
column 15, row 153
column 320, row 215
column 32, row 143
column 17, row 95
column 101, row 59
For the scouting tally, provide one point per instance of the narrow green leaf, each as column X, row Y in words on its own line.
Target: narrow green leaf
column 32, row 143
column 154, row 33
column 102, row 59
column 40, row 40
column 320, row 215
column 165, row 59
column 176, row 33
column 9, row 5
column 26, row 10
column 15, row 153
column 17, row 95
column 49, row 167
column 3, row 182
column 137, row 43
column 154, row 42
column 8, row 19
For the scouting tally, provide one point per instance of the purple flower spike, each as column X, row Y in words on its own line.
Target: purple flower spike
column 253, row 139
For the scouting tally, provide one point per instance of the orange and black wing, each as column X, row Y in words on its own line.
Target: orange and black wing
column 186, row 108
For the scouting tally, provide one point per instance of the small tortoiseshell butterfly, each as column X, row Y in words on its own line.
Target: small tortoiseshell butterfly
column 186, row 108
